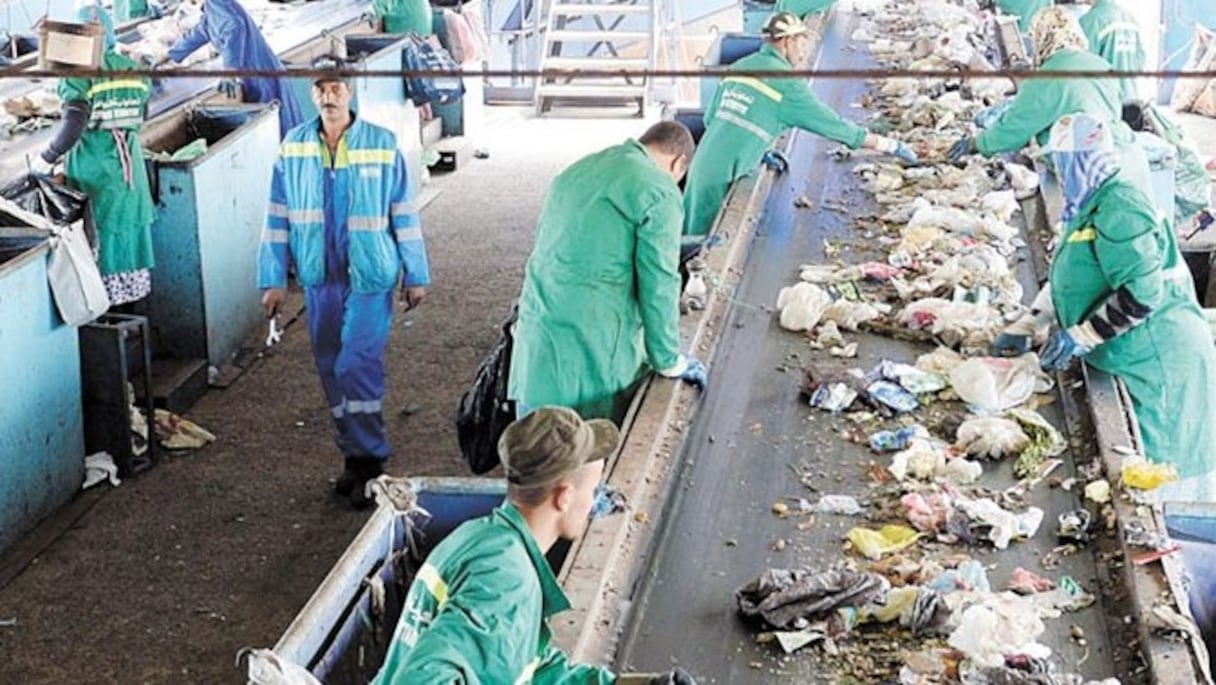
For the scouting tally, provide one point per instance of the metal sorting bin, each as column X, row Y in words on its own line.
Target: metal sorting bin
column 1193, row 526
column 41, row 429
column 342, row 633
column 756, row 13
column 210, row 214
column 726, row 49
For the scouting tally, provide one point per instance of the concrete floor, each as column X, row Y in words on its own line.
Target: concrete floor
column 211, row 551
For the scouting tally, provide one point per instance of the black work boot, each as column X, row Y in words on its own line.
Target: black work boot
column 346, row 481
column 366, row 468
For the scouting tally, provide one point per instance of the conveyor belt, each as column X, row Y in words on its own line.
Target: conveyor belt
column 752, row 427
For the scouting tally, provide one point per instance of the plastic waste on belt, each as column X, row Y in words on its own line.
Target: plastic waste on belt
column 789, row 598
column 484, row 411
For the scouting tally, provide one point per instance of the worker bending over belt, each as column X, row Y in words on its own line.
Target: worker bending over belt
column 1060, row 45
column 227, row 26
column 341, row 213
column 747, row 114
column 1122, row 299
column 1114, row 34
column 600, row 300
column 478, row 610
column 99, row 133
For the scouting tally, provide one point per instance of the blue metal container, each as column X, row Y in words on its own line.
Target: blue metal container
column 342, row 633
column 756, row 13
column 210, row 214
column 727, row 49
column 41, row 430
column 1193, row 526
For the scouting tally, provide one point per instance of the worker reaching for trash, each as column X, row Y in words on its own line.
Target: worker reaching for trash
column 99, row 134
column 600, row 299
column 341, row 213
column 226, row 25
column 748, row 114
column 1059, row 45
column 1123, row 301
column 1114, row 34
column 478, row 609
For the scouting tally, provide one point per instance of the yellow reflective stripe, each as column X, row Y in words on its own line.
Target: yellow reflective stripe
column 274, row 235
column 366, row 223
column 370, row 156
column 402, row 208
column 764, row 88
column 530, row 670
column 407, row 234
column 117, row 84
column 277, row 209
column 750, row 127
column 435, row 584
column 1084, row 235
column 1117, row 26
column 300, row 150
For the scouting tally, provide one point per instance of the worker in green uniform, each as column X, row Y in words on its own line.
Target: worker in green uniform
column 1114, row 33
column 99, row 133
column 600, row 301
column 747, row 114
column 404, row 16
column 1024, row 10
column 478, row 609
column 1060, row 45
column 1124, row 302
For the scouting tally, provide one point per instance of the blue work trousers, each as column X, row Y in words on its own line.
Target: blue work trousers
column 349, row 332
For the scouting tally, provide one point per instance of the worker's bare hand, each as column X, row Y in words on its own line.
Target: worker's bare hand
column 413, row 295
column 272, row 299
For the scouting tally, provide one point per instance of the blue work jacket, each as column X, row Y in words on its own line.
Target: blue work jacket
column 385, row 234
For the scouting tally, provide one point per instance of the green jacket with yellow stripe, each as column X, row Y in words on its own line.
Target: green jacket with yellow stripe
column 478, row 611
column 745, row 118
column 382, row 222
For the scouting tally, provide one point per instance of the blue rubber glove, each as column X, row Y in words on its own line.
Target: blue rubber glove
column 965, row 146
column 906, row 154
column 1061, row 348
column 695, row 373
column 989, row 116
column 775, row 160
column 229, row 87
column 1010, row 345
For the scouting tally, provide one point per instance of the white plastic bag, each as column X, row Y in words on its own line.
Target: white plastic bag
column 995, row 384
column 80, row 294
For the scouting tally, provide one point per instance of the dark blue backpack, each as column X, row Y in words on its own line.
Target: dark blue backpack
column 421, row 56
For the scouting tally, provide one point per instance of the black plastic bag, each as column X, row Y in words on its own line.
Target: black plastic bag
column 484, row 411
column 58, row 204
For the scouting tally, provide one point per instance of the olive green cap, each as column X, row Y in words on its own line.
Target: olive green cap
column 551, row 443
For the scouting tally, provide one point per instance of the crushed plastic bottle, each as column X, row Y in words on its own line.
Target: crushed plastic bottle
column 896, row 440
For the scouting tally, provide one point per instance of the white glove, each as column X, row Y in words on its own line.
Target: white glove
column 41, row 167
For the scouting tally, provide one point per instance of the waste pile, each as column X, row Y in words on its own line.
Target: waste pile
column 948, row 280
column 155, row 37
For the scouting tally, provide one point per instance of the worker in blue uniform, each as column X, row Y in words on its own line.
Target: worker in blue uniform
column 340, row 212
column 241, row 45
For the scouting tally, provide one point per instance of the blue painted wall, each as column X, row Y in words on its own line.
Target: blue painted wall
column 41, row 429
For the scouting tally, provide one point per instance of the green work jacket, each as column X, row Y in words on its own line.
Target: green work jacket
column 1041, row 102
column 745, row 118
column 1114, row 33
column 405, row 16
column 600, row 300
column 804, row 8
column 478, row 610
column 107, row 163
column 1168, row 363
column 1024, row 10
